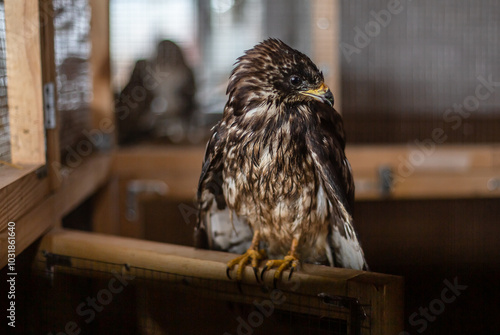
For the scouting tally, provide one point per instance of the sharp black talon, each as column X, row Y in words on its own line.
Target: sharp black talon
column 275, row 283
column 262, row 273
column 290, row 275
column 227, row 273
column 256, row 273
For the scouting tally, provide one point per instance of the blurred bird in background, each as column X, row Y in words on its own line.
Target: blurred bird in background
column 275, row 180
column 132, row 115
column 173, row 101
column 159, row 99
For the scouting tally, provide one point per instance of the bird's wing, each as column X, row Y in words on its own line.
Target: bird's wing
column 218, row 227
column 326, row 145
column 209, row 187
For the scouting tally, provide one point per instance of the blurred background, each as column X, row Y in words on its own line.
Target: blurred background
column 401, row 69
column 210, row 36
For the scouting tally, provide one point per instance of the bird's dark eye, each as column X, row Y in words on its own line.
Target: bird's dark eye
column 295, row 80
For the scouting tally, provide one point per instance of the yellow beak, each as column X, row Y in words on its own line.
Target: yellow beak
column 322, row 93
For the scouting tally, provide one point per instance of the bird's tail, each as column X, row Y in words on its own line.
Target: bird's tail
column 346, row 248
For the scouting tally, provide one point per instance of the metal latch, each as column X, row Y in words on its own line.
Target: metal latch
column 51, row 260
column 386, row 180
column 356, row 311
column 493, row 184
column 49, row 106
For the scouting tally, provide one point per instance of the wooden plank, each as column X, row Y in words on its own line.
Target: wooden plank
column 471, row 184
column 75, row 187
column 82, row 182
column 496, row 156
column 325, row 31
column 377, row 292
column 30, row 227
column 49, row 76
column 441, row 172
column 24, row 90
column 157, row 256
column 22, row 195
column 400, row 157
column 9, row 174
column 129, row 161
column 432, row 185
column 178, row 167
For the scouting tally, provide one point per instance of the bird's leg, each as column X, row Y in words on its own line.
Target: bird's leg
column 290, row 261
column 253, row 255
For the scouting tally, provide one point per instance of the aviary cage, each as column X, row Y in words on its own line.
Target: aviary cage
column 57, row 144
column 60, row 167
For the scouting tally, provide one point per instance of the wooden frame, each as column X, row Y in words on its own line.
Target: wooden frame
column 21, row 189
column 48, row 211
column 383, row 293
column 49, row 76
column 102, row 104
column 24, row 87
column 32, row 200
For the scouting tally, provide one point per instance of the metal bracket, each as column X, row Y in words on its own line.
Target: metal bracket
column 52, row 260
column 105, row 143
column 137, row 187
column 356, row 310
column 493, row 184
column 386, row 178
column 49, row 106
column 41, row 172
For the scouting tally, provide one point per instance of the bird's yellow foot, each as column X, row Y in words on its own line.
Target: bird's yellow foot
column 252, row 256
column 290, row 261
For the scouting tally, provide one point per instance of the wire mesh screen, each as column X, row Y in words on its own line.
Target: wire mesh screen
column 413, row 67
column 74, row 84
column 109, row 298
column 4, row 115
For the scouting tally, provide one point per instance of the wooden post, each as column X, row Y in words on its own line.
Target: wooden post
column 102, row 107
column 49, row 76
column 106, row 213
column 24, row 78
column 325, row 20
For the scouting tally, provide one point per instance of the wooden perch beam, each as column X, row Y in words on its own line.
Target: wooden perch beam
column 383, row 292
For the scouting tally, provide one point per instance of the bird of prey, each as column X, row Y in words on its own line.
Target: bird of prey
column 174, row 93
column 275, row 180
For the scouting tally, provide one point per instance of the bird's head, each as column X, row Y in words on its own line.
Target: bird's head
column 274, row 73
